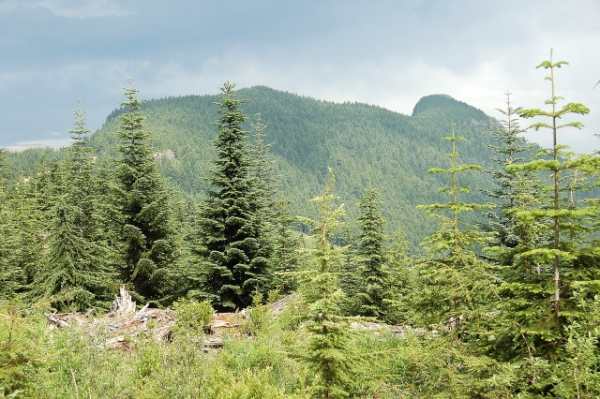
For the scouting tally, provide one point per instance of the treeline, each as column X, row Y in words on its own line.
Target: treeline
column 367, row 146
column 505, row 308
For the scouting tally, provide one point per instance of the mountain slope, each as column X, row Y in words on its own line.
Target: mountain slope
column 366, row 146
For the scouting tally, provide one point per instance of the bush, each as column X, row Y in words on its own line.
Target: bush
column 193, row 316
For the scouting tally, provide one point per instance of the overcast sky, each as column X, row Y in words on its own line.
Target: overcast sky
column 387, row 53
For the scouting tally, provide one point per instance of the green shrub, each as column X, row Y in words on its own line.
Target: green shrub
column 193, row 316
column 20, row 348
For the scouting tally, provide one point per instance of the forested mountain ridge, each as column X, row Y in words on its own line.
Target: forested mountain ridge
column 366, row 146
column 512, row 300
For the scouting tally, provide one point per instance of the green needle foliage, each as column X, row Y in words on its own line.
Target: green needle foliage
column 285, row 244
column 374, row 276
column 230, row 222
column 509, row 147
column 75, row 273
column 329, row 349
column 142, row 210
column 455, row 282
column 12, row 277
column 565, row 257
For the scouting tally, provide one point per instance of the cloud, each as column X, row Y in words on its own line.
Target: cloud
column 71, row 8
column 50, row 143
column 384, row 53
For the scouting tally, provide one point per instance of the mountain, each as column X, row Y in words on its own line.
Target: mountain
column 366, row 146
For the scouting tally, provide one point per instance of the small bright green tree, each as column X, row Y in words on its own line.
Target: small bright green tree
column 455, row 282
column 565, row 254
column 329, row 349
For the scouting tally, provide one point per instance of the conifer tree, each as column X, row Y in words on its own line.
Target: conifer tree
column 350, row 278
column 454, row 281
column 329, row 351
column 285, row 243
column 373, row 271
column 31, row 207
column 509, row 146
column 403, row 282
column 80, row 179
column 12, row 277
column 75, row 271
column 235, row 267
column 262, row 174
column 143, row 217
column 565, row 261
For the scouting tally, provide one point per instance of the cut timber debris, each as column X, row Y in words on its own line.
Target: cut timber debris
column 123, row 325
column 123, row 304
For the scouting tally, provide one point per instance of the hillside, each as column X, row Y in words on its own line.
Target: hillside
column 366, row 146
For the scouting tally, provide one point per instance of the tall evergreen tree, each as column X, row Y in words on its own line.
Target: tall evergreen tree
column 231, row 241
column 374, row 274
column 350, row 278
column 557, row 167
column 516, row 190
column 75, row 271
column 12, row 277
column 565, row 261
column 262, row 173
column 262, row 170
column 143, row 217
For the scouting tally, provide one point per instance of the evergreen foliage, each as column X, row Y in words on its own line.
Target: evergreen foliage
column 329, row 350
column 455, row 282
column 143, row 215
column 510, row 148
column 12, row 277
column 558, row 255
column 75, row 272
column 510, row 316
column 285, row 241
column 230, row 220
column 367, row 145
column 373, row 272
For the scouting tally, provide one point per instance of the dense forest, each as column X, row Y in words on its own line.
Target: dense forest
column 481, row 249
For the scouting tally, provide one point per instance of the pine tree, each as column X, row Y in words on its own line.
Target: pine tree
column 509, row 146
column 455, row 283
column 143, row 227
column 285, row 244
column 75, row 272
column 350, row 278
column 81, row 181
column 12, row 277
column 403, row 282
column 373, row 271
column 262, row 173
column 31, row 207
column 231, row 243
column 329, row 350
column 564, row 259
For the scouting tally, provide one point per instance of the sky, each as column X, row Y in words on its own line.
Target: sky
column 381, row 52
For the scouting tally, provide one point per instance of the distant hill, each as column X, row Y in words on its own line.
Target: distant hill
column 366, row 146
